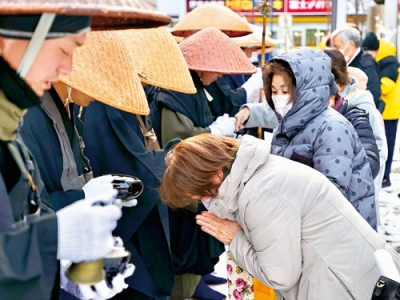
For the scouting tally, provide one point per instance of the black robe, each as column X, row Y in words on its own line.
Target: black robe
column 115, row 145
column 40, row 137
column 228, row 96
column 193, row 106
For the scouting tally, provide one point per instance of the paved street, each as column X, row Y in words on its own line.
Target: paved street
column 390, row 208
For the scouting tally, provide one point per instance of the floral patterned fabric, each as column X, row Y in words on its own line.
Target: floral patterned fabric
column 240, row 283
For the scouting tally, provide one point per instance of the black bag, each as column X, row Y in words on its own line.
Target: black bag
column 386, row 289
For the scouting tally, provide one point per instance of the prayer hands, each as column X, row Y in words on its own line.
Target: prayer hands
column 222, row 229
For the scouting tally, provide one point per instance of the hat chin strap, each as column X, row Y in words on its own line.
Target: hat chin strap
column 39, row 35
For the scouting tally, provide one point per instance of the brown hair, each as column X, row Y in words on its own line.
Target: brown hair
column 277, row 66
column 192, row 163
column 339, row 66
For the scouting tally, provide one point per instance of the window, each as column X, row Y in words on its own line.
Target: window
column 297, row 35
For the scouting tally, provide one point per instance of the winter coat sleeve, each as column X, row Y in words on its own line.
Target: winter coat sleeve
column 360, row 121
column 373, row 85
column 272, row 250
column 260, row 115
column 177, row 125
column 333, row 154
column 29, row 259
column 364, row 100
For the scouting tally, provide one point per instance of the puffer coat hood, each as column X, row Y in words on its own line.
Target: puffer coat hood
column 316, row 135
column 312, row 70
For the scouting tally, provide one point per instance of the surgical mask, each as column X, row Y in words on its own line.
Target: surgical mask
column 346, row 57
column 281, row 103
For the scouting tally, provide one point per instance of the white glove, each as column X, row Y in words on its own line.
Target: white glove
column 84, row 228
column 102, row 290
column 224, row 125
column 98, row 185
column 253, row 84
column 129, row 203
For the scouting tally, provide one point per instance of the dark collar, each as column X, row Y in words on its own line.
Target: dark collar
column 15, row 88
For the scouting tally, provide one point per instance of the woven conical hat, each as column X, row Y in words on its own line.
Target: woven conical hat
column 212, row 15
column 254, row 39
column 213, row 51
column 103, row 70
column 158, row 59
column 107, row 14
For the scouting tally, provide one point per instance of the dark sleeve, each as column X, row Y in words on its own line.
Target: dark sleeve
column 29, row 260
column 40, row 144
column 374, row 84
column 360, row 121
column 371, row 68
column 176, row 125
column 225, row 99
column 61, row 199
column 389, row 68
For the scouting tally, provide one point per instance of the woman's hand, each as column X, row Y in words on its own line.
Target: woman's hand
column 241, row 117
column 222, row 229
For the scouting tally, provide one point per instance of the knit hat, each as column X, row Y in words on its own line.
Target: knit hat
column 212, row 15
column 370, row 42
column 213, row 51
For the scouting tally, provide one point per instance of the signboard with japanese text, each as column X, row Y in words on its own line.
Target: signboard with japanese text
column 294, row 7
column 307, row 7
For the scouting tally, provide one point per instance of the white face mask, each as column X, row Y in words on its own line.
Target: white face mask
column 281, row 104
column 346, row 57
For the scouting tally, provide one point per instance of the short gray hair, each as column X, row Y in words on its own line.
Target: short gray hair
column 347, row 34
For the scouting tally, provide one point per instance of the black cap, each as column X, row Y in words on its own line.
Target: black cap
column 23, row 26
column 370, row 42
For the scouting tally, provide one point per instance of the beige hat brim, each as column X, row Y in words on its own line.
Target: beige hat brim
column 213, row 51
column 254, row 39
column 212, row 15
column 158, row 59
column 115, row 14
column 102, row 70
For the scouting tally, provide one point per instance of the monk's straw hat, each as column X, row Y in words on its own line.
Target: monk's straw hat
column 158, row 59
column 106, row 14
column 212, row 15
column 213, row 51
column 254, row 39
column 104, row 70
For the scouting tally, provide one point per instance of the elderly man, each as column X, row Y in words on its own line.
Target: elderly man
column 347, row 40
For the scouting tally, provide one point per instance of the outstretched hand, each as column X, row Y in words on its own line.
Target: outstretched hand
column 241, row 117
column 222, row 229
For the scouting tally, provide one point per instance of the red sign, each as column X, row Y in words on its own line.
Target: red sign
column 306, row 7
column 294, row 7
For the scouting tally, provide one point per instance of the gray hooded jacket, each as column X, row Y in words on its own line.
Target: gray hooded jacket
column 318, row 136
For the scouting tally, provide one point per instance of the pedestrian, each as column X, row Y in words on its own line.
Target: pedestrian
column 348, row 41
column 285, row 223
column 357, row 116
column 297, row 86
column 385, row 55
